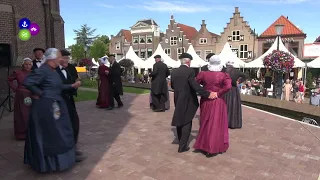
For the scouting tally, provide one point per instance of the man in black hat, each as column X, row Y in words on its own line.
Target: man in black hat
column 69, row 75
column 185, row 99
column 38, row 54
column 115, row 82
column 159, row 85
column 205, row 68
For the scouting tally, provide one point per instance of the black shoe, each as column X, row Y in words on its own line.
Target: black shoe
column 158, row 110
column 79, row 153
column 208, row 155
column 110, row 108
column 120, row 106
column 80, row 158
column 181, row 150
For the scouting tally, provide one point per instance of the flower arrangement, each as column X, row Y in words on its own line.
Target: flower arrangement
column 85, row 62
column 279, row 61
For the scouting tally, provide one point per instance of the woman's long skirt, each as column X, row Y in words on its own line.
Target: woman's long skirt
column 167, row 104
column 49, row 142
column 22, row 107
column 213, row 136
column 233, row 101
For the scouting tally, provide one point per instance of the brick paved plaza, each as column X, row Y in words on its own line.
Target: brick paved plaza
column 134, row 143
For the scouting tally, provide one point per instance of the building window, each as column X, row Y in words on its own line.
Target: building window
column 180, row 50
column 266, row 47
column 294, row 48
column 203, row 41
column 135, row 40
column 243, row 51
column 168, row 51
column 149, row 39
column 173, row 40
column 149, row 53
column 117, row 45
column 208, row 52
column 198, row 53
column 142, row 39
column 137, row 52
column 235, row 35
column 142, row 53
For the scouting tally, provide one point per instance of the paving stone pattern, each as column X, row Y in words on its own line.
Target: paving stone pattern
column 134, row 143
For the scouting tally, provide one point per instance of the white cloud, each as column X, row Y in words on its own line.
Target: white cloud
column 106, row 5
column 275, row 1
column 178, row 6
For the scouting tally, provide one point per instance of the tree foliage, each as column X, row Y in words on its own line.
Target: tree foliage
column 77, row 52
column 85, row 35
column 99, row 47
column 309, row 79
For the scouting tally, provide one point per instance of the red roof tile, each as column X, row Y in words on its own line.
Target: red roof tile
column 127, row 35
column 288, row 29
column 189, row 31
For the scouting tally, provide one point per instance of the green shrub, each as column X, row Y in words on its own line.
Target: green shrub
column 309, row 80
column 89, row 83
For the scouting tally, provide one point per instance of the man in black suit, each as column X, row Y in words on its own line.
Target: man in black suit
column 159, row 85
column 205, row 68
column 185, row 99
column 69, row 75
column 115, row 82
column 38, row 54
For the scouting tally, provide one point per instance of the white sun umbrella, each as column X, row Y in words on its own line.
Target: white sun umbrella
column 196, row 62
column 165, row 58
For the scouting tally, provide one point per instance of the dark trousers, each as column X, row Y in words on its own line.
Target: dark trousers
column 183, row 133
column 73, row 114
column 158, row 101
column 114, row 96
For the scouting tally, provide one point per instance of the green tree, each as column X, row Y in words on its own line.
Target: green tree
column 105, row 39
column 85, row 35
column 77, row 52
column 309, row 80
column 98, row 49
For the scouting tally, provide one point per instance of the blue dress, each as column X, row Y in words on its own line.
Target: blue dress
column 49, row 142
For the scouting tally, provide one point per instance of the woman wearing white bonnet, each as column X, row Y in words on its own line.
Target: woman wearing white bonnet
column 232, row 97
column 49, row 143
column 213, row 137
column 22, row 99
column 103, row 100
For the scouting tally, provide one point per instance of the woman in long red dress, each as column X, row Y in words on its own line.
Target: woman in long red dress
column 103, row 100
column 22, row 101
column 213, row 137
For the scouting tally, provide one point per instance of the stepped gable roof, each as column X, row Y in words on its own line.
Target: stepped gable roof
column 189, row 31
column 288, row 29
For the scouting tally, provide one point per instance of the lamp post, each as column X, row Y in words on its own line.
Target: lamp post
column 277, row 89
column 85, row 51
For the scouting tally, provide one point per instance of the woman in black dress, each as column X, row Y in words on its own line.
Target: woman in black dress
column 232, row 97
column 49, row 142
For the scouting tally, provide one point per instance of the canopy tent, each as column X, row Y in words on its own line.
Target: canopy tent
column 197, row 62
column 314, row 64
column 258, row 63
column 166, row 59
column 227, row 54
column 138, row 62
column 95, row 63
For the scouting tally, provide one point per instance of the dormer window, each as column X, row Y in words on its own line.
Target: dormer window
column 203, row 41
column 149, row 39
column 135, row 40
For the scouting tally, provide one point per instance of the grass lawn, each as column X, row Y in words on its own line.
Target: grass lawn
column 92, row 95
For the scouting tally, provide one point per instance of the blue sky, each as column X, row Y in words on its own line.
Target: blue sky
column 109, row 16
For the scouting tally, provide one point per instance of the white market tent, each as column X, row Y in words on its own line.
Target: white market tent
column 138, row 62
column 165, row 58
column 227, row 54
column 314, row 64
column 95, row 63
column 196, row 62
column 258, row 63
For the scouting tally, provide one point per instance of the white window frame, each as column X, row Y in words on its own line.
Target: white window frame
column 180, row 48
column 199, row 53
column 172, row 41
column 151, row 50
column 166, row 49
column 133, row 39
column 140, row 37
column 203, row 40
column 118, row 47
column 236, row 37
column 243, row 57
column 143, row 51
column 149, row 37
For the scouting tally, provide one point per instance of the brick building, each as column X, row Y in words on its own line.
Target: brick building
column 46, row 13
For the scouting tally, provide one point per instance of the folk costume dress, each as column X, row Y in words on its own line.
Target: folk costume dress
column 49, row 142
column 22, row 103
column 103, row 100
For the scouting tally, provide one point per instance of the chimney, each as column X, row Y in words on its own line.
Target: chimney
column 203, row 23
column 172, row 17
column 236, row 10
column 287, row 17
